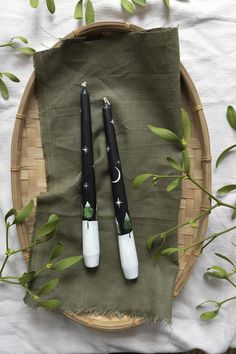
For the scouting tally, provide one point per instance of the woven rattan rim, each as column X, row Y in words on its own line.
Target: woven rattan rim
column 200, row 153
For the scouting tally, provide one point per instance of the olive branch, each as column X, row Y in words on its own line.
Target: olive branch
column 42, row 234
column 184, row 172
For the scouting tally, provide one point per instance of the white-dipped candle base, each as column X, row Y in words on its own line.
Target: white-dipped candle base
column 128, row 256
column 91, row 244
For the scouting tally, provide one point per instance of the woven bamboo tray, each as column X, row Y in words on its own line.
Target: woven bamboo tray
column 28, row 173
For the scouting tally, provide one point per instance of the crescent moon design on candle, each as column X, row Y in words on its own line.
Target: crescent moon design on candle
column 119, row 176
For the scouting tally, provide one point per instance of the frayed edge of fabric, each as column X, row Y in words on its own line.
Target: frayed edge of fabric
column 101, row 312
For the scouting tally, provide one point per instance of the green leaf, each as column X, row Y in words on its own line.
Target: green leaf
column 158, row 253
column 11, row 77
column 78, row 13
column 11, row 212
column 48, row 287
column 67, row 262
column 167, row 3
column 224, row 154
column 24, row 213
column 225, row 258
column 176, row 165
column 231, row 116
column 173, row 185
column 56, row 251
column 205, row 316
column 128, row 6
column 3, row 89
column 49, row 304
column 139, row 180
column 186, row 161
column 89, row 13
column 21, row 38
column 53, row 218
column 186, row 125
column 169, row 251
column 26, row 50
column 26, row 277
column 217, row 275
column 220, row 269
column 51, row 6
column 149, row 242
column 47, row 230
column 226, row 189
column 34, row 3
column 164, row 133
column 140, row 2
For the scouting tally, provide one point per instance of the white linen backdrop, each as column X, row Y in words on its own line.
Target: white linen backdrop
column 207, row 30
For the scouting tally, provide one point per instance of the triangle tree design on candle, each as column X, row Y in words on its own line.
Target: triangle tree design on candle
column 87, row 211
column 127, row 222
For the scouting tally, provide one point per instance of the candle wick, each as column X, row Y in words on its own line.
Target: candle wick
column 84, row 84
column 105, row 100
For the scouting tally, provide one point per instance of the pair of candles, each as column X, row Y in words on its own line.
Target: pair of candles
column 90, row 229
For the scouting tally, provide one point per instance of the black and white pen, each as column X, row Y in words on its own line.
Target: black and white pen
column 127, row 248
column 90, row 231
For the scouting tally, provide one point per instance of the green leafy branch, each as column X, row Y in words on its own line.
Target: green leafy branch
column 231, row 117
column 13, row 43
column 128, row 5
column 42, row 234
column 210, row 315
column 218, row 273
column 184, row 167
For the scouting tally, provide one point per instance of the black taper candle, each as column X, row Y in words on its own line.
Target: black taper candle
column 90, row 232
column 127, row 248
column 88, row 186
column 122, row 216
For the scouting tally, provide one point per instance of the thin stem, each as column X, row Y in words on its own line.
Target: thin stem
column 7, row 248
column 7, row 236
column 229, row 299
column 3, row 265
column 40, row 271
column 209, row 238
column 9, row 281
column 10, row 277
column 168, row 176
column 5, row 45
column 210, row 195
column 28, row 291
column 25, row 248
column 207, row 211
column 232, row 283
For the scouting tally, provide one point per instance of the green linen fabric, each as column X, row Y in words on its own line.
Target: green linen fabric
column 139, row 74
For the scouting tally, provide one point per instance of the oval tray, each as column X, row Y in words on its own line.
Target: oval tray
column 28, row 173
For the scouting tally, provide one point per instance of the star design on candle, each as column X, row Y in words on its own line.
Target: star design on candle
column 119, row 202
column 85, row 149
column 108, row 148
column 112, row 121
column 86, row 185
column 118, row 162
